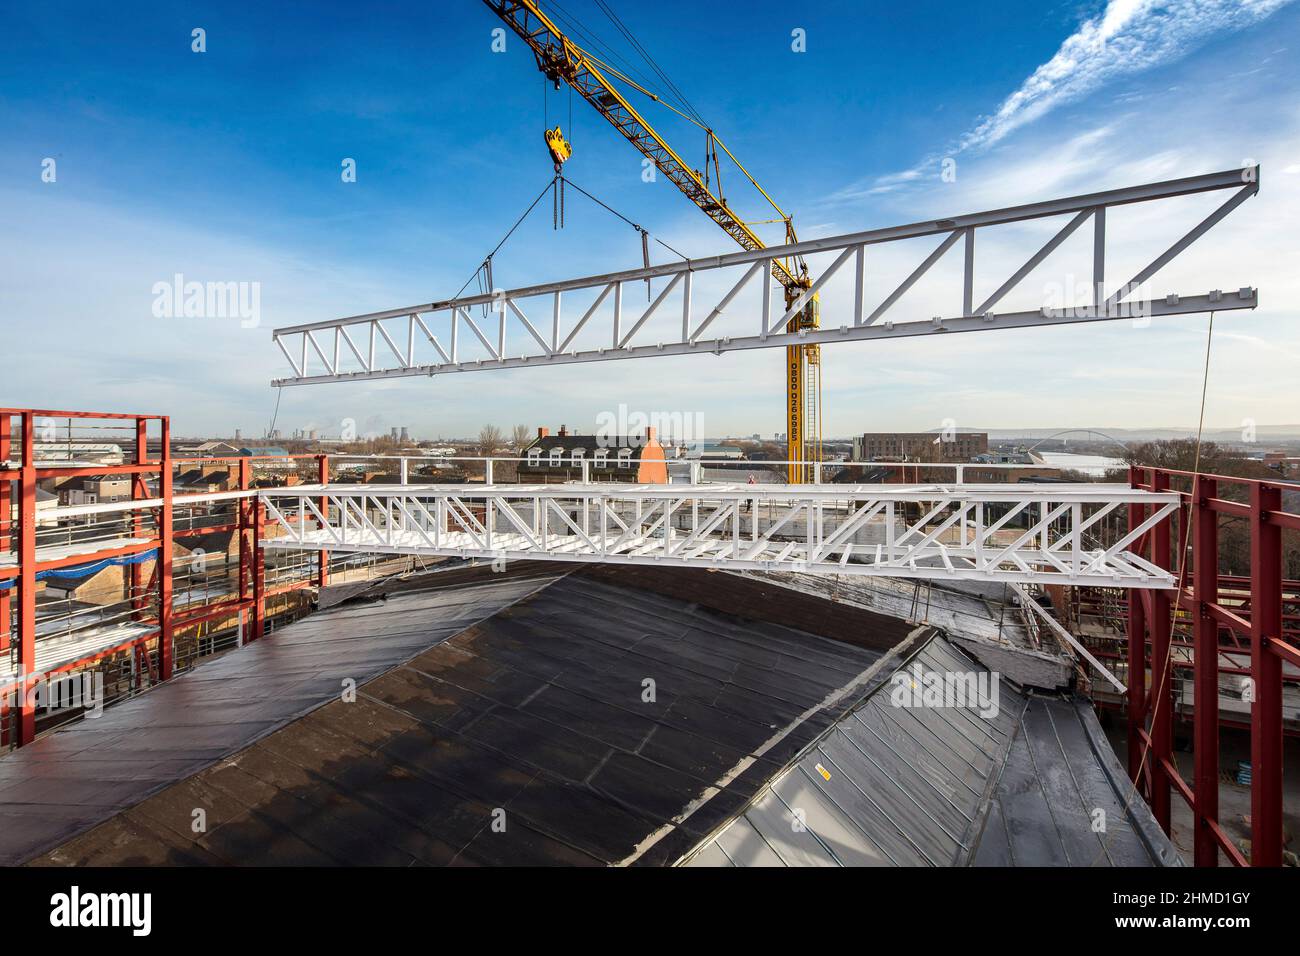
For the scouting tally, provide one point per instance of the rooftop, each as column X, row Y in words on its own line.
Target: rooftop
column 520, row 697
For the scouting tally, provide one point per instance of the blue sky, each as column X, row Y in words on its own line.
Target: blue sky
column 224, row 166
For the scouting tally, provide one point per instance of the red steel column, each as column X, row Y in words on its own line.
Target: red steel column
column 135, row 574
column 1162, row 670
column 322, row 572
column 259, row 573
column 1137, row 653
column 1266, row 669
column 164, row 564
column 27, row 583
column 245, row 482
column 1205, row 670
column 6, row 518
column 245, row 548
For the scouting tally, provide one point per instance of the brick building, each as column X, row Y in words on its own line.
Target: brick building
column 635, row 459
column 920, row 446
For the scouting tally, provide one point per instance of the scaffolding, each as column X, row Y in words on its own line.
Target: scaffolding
column 1209, row 624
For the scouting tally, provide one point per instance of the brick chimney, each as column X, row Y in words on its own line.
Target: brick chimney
column 564, row 430
column 543, row 432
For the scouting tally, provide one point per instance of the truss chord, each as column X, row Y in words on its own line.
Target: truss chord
column 819, row 529
column 767, row 330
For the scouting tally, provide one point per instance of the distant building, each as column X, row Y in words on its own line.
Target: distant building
column 270, row 457
column 712, row 452
column 97, row 489
column 209, row 449
column 203, row 480
column 46, row 502
column 628, row 458
column 59, row 453
column 920, row 446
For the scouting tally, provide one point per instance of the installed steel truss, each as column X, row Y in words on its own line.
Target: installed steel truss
column 437, row 337
column 983, row 532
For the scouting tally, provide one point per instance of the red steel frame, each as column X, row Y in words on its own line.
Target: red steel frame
column 253, row 594
column 1150, row 637
column 1150, row 648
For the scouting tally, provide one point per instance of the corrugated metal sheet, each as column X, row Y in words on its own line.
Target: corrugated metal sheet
column 893, row 785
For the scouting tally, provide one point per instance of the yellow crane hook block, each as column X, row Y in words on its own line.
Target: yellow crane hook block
column 559, row 147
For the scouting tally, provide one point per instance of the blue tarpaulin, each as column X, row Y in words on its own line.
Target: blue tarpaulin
column 86, row 570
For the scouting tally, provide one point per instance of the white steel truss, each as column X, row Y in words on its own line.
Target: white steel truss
column 1014, row 533
column 437, row 337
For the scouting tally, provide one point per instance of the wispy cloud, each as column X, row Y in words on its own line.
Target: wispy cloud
column 1127, row 38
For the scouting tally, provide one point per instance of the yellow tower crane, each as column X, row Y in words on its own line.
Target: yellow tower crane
column 561, row 60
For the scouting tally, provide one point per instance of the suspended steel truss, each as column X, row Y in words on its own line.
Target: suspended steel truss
column 446, row 336
column 982, row 532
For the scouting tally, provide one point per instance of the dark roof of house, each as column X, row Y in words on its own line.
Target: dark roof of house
column 521, row 693
column 66, row 782
column 214, row 542
column 590, row 444
column 534, row 706
column 197, row 477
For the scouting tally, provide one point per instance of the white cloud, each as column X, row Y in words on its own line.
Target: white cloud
column 1130, row 36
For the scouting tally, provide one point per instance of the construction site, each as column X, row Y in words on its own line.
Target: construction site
column 633, row 646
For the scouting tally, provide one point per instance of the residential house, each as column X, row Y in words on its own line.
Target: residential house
column 634, row 459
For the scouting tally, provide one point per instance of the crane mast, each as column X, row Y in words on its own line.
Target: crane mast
column 562, row 60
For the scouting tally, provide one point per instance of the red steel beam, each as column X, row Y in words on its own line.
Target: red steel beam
column 245, row 547
column 164, row 561
column 1185, row 791
column 139, row 489
column 1285, row 651
column 27, row 583
column 1266, row 711
column 51, row 564
column 259, row 573
column 1205, row 674
column 48, row 413
column 323, row 558
column 6, row 518
column 1137, row 644
column 1162, row 672
column 89, row 470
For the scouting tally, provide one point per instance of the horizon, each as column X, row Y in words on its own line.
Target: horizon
column 230, row 173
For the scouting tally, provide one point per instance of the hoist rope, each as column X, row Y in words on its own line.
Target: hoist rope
column 1165, row 665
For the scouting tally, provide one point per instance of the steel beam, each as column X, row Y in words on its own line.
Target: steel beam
column 820, row 529
column 1162, row 670
column 27, row 583
column 331, row 366
column 1205, row 673
column 1266, row 670
column 1137, row 654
